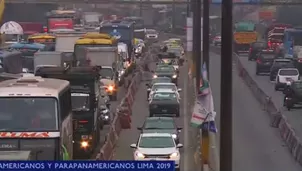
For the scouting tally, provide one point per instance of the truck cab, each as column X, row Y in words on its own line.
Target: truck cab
column 85, row 100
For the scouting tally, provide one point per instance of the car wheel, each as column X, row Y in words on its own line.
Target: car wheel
column 276, row 88
column 288, row 108
column 271, row 78
column 257, row 72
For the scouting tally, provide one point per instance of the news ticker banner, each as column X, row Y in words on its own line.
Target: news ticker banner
column 89, row 165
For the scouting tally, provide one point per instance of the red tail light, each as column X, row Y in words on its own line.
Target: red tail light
column 269, row 44
column 300, row 60
column 258, row 61
column 83, row 121
column 45, row 29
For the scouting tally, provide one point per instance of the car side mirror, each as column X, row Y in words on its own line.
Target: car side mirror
column 178, row 146
column 139, row 128
column 179, row 129
column 147, row 85
column 179, row 90
column 133, row 145
column 149, row 89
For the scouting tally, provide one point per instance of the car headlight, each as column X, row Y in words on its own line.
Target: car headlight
column 174, row 155
column 110, row 88
column 105, row 111
column 106, row 117
column 174, row 76
column 136, row 50
column 84, row 144
column 174, row 136
column 25, row 70
column 154, row 76
column 140, row 155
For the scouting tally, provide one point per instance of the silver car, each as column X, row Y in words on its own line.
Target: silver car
column 217, row 40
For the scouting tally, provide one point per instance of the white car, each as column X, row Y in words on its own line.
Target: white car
column 286, row 75
column 164, row 91
column 164, row 86
column 157, row 146
column 151, row 34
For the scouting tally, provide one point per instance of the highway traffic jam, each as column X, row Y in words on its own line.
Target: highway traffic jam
column 71, row 83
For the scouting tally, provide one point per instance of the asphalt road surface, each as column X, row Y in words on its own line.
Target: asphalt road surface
column 294, row 116
column 140, row 112
column 256, row 145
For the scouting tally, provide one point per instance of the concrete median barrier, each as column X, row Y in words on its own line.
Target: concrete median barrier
column 122, row 118
column 277, row 117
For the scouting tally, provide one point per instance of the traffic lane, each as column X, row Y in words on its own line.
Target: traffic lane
column 294, row 116
column 140, row 112
column 256, row 145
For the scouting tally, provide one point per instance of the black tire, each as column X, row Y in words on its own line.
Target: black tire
column 271, row 78
column 276, row 88
column 288, row 108
column 257, row 72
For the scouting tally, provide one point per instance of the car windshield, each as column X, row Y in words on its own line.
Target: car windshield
column 259, row 45
column 80, row 101
column 171, row 87
column 298, row 86
column 288, row 72
column 156, row 142
column 28, row 114
column 177, row 52
column 164, row 96
column 106, row 73
column 164, row 69
column 159, row 124
column 161, row 80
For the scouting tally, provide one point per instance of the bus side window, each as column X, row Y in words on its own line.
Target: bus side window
column 65, row 104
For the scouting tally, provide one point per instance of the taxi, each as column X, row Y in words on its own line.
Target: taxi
column 176, row 41
column 48, row 40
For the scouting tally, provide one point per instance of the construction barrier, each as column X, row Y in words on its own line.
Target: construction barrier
column 122, row 118
column 278, row 119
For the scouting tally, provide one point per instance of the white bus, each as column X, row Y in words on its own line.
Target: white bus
column 35, row 115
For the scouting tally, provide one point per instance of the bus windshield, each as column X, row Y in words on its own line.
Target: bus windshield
column 32, row 114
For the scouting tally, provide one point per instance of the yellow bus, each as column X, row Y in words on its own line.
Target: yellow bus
column 96, row 35
column 86, row 42
column 48, row 40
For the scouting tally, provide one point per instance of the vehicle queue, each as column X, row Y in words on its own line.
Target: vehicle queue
column 279, row 57
column 159, row 137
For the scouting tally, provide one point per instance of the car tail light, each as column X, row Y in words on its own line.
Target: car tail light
column 83, row 121
column 45, row 29
column 269, row 44
column 300, row 60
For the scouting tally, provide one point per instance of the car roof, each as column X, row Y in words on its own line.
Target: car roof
column 159, row 118
column 288, row 69
column 156, row 135
column 164, row 84
column 164, row 90
column 282, row 60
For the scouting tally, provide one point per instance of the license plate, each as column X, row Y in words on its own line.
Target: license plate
column 267, row 63
column 164, row 110
column 288, row 79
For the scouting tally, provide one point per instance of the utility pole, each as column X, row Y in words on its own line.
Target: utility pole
column 197, row 40
column 205, row 140
column 141, row 8
column 226, row 87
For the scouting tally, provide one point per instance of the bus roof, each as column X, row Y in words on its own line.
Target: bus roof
column 27, row 45
column 96, row 35
column 32, row 86
column 95, row 41
column 41, row 36
column 117, row 24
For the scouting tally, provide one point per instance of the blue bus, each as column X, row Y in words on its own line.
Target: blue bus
column 292, row 38
column 123, row 31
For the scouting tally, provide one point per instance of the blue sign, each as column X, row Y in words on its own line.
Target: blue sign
column 210, row 126
column 88, row 165
column 116, row 34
